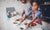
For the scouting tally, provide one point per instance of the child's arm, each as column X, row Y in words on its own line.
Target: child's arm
column 31, row 22
column 23, row 12
column 30, row 16
column 33, row 19
column 36, row 16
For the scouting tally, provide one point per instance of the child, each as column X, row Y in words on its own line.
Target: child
column 35, row 14
column 26, row 7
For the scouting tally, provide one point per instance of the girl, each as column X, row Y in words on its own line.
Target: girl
column 35, row 13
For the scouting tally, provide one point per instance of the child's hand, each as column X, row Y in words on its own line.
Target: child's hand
column 27, row 26
column 22, row 15
column 21, row 21
column 25, row 23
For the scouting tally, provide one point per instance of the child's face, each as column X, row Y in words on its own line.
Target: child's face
column 22, row 0
column 35, row 6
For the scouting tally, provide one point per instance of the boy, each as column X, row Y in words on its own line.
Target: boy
column 26, row 7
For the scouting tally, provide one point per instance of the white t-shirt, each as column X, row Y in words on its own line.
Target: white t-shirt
column 22, row 6
column 26, row 7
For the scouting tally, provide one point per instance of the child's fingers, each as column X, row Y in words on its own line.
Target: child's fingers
column 27, row 26
column 25, row 23
column 19, row 19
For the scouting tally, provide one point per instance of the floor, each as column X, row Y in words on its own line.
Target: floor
column 6, row 24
